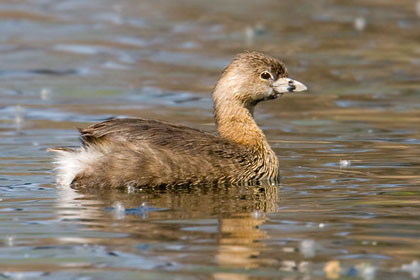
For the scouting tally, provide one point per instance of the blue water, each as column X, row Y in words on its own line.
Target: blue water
column 347, row 206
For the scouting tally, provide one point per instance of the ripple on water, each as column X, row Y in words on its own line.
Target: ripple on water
column 347, row 206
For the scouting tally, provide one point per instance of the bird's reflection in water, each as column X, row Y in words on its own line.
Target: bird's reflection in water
column 236, row 213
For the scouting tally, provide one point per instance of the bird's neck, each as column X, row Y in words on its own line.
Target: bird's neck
column 235, row 122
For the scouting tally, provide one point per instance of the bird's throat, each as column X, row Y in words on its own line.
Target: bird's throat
column 236, row 123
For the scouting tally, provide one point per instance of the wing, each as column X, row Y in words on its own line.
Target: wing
column 161, row 135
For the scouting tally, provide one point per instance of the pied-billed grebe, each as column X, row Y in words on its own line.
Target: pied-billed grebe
column 138, row 152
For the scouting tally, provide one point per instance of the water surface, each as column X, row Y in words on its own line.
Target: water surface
column 348, row 203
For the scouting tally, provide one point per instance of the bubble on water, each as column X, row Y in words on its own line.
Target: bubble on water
column 10, row 240
column 23, row 275
column 257, row 214
column 366, row 271
column 142, row 210
column 249, row 36
column 114, row 65
column 418, row 8
column 251, row 32
column 321, row 225
column 45, row 93
column 19, row 116
column 189, row 45
column 131, row 189
column 288, row 265
column 76, row 49
column 118, row 210
column 289, row 249
column 307, row 248
column 344, row 163
column 413, row 268
column 359, row 23
column 304, row 267
column 332, row 269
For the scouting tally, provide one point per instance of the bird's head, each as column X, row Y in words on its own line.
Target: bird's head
column 252, row 77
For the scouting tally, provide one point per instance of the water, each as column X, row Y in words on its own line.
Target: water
column 348, row 203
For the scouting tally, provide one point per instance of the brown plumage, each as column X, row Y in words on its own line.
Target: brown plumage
column 147, row 153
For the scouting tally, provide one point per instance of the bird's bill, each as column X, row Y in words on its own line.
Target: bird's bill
column 283, row 85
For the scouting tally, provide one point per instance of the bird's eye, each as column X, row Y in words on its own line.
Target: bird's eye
column 266, row 75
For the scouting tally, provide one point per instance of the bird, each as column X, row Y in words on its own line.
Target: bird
column 136, row 152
